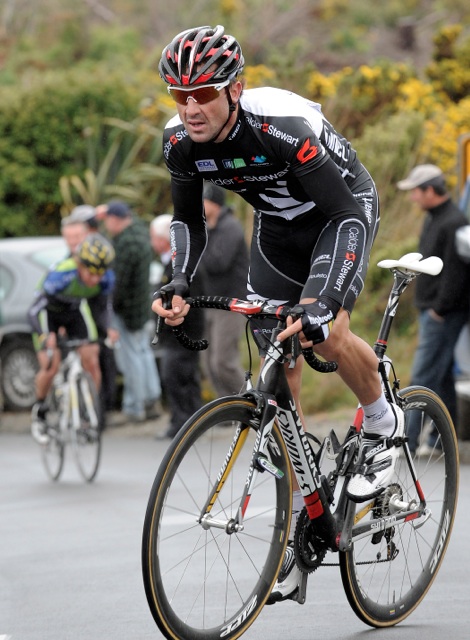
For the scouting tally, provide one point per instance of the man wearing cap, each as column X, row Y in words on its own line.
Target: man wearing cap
column 443, row 300
column 225, row 262
column 135, row 358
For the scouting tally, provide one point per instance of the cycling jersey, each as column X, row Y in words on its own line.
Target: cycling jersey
column 63, row 300
column 285, row 159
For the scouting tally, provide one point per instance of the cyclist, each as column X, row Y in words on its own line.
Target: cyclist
column 63, row 304
column 316, row 217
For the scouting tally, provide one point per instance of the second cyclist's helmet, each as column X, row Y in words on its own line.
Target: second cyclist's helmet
column 203, row 55
column 95, row 253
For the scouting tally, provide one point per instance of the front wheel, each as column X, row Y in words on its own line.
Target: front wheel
column 53, row 452
column 387, row 575
column 86, row 438
column 204, row 581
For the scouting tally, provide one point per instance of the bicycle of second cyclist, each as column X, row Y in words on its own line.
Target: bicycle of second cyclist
column 218, row 516
column 72, row 417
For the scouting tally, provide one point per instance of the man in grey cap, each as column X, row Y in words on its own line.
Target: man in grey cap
column 443, row 300
column 84, row 213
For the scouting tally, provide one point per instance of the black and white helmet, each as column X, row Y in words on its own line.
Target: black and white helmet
column 202, row 55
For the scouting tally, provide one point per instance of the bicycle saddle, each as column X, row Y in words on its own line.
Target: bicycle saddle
column 412, row 262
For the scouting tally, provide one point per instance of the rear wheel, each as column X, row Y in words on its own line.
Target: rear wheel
column 205, row 581
column 386, row 576
column 87, row 438
column 54, row 451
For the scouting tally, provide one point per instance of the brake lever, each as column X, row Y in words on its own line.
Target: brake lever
column 294, row 343
column 166, row 302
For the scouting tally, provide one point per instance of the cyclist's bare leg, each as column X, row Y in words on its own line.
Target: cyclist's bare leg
column 48, row 367
column 48, row 359
column 89, row 354
column 357, row 362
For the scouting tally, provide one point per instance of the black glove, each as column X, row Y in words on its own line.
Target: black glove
column 315, row 317
column 177, row 287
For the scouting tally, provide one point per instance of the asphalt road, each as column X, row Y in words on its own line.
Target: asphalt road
column 70, row 557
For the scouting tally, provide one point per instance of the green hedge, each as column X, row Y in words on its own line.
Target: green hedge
column 44, row 126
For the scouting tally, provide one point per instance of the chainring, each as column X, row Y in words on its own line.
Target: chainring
column 310, row 549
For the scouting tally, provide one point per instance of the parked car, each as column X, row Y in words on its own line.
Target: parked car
column 23, row 262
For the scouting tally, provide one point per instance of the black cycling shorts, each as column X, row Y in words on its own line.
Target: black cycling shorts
column 77, row 322
column 290, row 259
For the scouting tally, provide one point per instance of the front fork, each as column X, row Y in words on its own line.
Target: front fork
column 265, row 414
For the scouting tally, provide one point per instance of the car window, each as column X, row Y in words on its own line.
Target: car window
column 49, row 256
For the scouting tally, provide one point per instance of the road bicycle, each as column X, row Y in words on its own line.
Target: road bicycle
column 218, row 516
column 73, row 416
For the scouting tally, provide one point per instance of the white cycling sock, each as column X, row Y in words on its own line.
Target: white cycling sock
column 379, row 418
column 297, row 506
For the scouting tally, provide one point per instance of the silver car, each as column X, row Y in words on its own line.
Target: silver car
column 23, row 262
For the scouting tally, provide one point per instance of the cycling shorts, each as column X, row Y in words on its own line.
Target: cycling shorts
column 290, row 259
column 77, row 322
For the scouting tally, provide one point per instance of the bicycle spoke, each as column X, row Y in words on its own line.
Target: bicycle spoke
column 205, row 576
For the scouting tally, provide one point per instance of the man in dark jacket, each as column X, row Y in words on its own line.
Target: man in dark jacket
column 225, row 262
column 443, row 300
column 179, row 367
column 134, row 357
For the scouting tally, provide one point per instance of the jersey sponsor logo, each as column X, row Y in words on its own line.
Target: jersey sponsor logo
column 236, row 163
column 271, row 130
column 236, row 180
column 337, row 145
column 349, row 258
column 173, row 139
column 206, row 165
column 307, row 152
column 258, row 159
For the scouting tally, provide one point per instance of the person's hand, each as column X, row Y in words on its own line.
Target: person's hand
column 313, row 324
column 50, row 341
column 170, row 302
column 435, row 316
column 112, row 336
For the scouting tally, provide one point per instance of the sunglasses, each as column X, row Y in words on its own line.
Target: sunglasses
column 201, row 95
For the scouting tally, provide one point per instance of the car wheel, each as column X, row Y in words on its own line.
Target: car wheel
column 19, row 367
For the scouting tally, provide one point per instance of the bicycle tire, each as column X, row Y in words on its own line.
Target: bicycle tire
column 385, row 583
column 53, row 452
column 206, row 583
column 86, row 440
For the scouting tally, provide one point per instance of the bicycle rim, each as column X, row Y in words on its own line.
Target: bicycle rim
column 206, row 583
column 87, row 438
column 385, row 581
column 53, row 452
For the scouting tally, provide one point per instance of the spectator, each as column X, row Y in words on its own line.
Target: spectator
column 135, row 358
column 442, row 301
column 74, row 230
column 225, row 261
column 179, row 367
column 73, row 233
column 84, row 213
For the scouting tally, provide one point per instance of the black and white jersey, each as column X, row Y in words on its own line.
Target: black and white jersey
column 285, row 159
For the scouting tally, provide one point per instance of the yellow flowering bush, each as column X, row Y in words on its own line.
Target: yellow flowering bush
column 441, row 133
column 258, row 76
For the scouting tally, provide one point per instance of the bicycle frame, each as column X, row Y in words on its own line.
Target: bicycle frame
column 339, row 528
column 69, row 377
